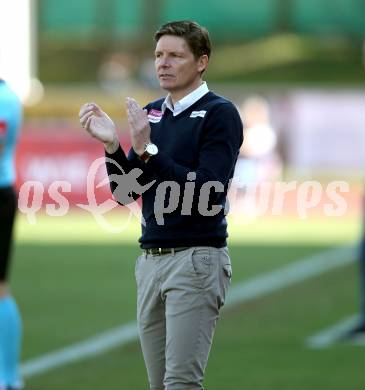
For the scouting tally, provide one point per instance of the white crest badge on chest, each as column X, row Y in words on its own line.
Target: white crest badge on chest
column 195, row 114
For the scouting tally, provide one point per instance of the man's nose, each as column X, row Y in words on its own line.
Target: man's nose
column 164, row 62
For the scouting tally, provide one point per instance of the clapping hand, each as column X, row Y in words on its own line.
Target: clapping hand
column 98, row 124
column 139, row 126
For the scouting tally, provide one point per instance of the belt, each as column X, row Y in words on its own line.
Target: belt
column 164, row 251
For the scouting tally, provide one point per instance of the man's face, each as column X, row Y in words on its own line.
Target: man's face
column 176, row 67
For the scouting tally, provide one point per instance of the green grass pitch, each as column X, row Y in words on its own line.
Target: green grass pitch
column 73, row 280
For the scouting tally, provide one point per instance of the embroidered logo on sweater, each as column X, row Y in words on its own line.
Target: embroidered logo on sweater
column 195, row 114
column 154, row 116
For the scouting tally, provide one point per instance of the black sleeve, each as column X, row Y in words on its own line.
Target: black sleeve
column 222, row 139
column 127, row 163
column 117, row 165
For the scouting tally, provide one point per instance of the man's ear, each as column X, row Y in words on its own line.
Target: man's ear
column 203, row 63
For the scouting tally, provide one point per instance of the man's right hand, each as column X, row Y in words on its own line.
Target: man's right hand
column 99, row 125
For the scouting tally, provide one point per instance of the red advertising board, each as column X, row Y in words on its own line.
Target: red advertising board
column 61, row 160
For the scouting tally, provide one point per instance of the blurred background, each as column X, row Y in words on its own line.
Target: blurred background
column 296, row 71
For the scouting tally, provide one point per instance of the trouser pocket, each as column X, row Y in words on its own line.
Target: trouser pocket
column 225, row 275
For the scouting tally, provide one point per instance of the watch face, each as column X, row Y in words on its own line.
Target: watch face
column 152, row 149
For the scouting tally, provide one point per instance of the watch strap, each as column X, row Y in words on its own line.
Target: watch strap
column 144, row 156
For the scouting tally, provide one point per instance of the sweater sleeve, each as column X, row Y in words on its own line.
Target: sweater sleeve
column 220, row 144
column 118, row 166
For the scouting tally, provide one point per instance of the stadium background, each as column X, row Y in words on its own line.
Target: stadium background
column 74, row 279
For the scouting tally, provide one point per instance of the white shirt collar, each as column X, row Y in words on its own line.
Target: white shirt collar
column 186, row 101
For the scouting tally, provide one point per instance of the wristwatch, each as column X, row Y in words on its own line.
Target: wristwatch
column 150, row 150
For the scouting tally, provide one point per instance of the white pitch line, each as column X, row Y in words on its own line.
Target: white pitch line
column 93, row 346
column 303, row 269
column 306, row 268
column 329, row 336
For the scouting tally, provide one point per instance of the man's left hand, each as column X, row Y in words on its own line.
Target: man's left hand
column 139, row 126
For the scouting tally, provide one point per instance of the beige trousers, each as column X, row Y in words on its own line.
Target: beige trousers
column 178, row 301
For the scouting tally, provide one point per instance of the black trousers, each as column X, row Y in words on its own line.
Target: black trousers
column 8, row 205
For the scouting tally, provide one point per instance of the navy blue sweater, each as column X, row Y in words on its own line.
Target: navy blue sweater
column 204, row 139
